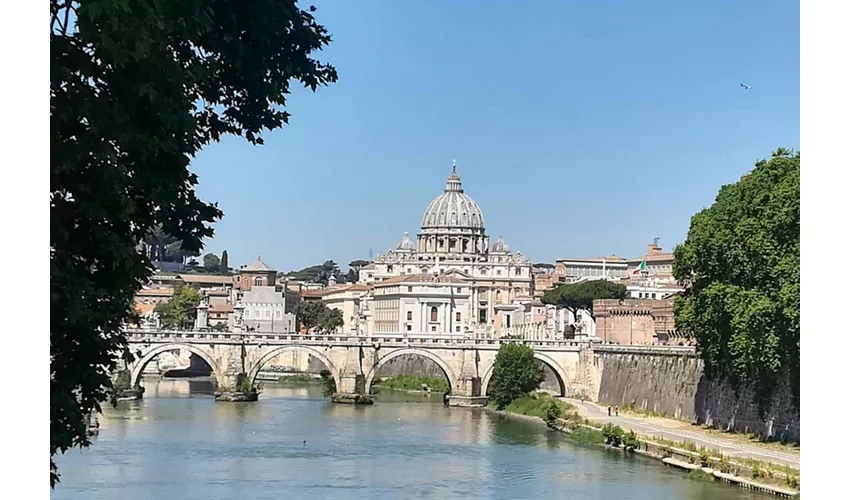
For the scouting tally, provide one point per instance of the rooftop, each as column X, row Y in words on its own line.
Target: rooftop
column 256, row 266
column 613, row 259
column 419, row 278
column 206, row 279
column 155, row 292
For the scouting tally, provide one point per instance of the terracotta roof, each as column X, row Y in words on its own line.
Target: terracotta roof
column 144, row 309
column 419, row 278
column 205, row 278
column 221, row 308
column 257, row 265
column 156, row 292
column 218, row 293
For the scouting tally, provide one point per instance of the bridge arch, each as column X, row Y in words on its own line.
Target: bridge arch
column 560, row 374
column 265, row 358
column 148, row 356
column 407, row 351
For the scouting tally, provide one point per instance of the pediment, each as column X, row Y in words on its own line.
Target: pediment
column 457, row 273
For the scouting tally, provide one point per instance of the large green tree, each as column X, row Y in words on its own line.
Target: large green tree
column 741, row 267
column 579, row 296
column 314, row 315
column 137, row 89
column 224, row 264
column 212, row 264
column 181, row 310
column 515, row 374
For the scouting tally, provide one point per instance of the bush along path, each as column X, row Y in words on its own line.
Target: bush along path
column 781, row 481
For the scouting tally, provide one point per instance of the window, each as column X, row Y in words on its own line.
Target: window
column 498, row 272
column 517, row 271
column 408, row 328
column 433, row 328
column 389, row 269
column 433, row 314
column 258, row 281
column 457, row 316
column 268, row 313
column 277, row 314
column 459, row 290
column 410, row 289
column 653, row 295
column 457, row 328
column 409, row 316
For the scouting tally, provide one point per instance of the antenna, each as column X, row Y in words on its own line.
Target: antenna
column 655, row 241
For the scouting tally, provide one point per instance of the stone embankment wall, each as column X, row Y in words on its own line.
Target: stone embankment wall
column 675, row 386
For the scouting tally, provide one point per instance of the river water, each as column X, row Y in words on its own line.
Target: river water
column 178, row 443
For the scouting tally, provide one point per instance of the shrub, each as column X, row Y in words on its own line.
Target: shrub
column 553, row 413
column 613, row 434
column 630, row 441
column 703, row 458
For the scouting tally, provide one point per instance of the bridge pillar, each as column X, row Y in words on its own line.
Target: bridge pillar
column 351, row 384
column 466, row 390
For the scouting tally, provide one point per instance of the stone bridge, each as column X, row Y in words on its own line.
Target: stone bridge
column 354, row 360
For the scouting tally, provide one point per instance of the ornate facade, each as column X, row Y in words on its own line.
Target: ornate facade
column 453, row 241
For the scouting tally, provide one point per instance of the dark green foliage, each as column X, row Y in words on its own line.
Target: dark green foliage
column 328, row 383
column 741, row 268
column 544, row 265
column 613, row 434
column 224, row 264
column 351, row 276
column 137, row 89
column 212, row 264
column 180, row 311
column 357, row 264
column 315, row 316
column 630, row 441
column 220, row 327
column 319, row 273
column 580, row 296
column 515, row 374
column 585, row 436
column 553, row 413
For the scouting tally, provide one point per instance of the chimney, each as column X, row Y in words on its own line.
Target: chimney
column 654, row 249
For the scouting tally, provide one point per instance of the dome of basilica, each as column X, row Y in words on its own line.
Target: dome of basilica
column 453, row 209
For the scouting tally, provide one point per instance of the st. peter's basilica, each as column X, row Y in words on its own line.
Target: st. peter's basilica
column 453, row 242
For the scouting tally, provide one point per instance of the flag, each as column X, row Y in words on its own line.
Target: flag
column 640, row 268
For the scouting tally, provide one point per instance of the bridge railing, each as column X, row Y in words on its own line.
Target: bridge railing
column 157, row 336
column 645, row 349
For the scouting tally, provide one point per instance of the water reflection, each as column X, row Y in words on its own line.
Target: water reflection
column 181, row 444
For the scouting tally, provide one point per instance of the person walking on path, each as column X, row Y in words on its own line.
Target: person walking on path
column 609, row 411
column 617, row 411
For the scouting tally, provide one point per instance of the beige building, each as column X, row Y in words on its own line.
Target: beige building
column 421, row 303
column 573, row 269
column 453, row 239
column 658, row 263
column 346, row 299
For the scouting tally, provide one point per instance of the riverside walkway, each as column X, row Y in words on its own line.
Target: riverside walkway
column 672, row 430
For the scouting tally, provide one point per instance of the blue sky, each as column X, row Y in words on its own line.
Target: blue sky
column 581, row 128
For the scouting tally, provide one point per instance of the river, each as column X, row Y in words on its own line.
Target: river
column 178, row 443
